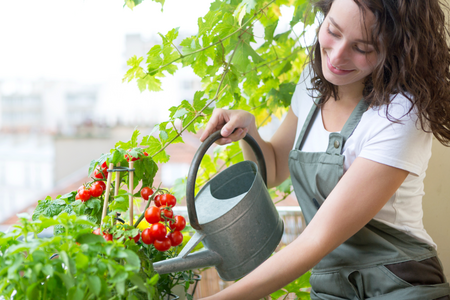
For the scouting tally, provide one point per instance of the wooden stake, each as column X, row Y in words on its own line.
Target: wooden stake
column 108, row 187
column 116, row 188
column 130, row 190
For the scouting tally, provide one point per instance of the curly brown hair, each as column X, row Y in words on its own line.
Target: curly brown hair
column 413, row 60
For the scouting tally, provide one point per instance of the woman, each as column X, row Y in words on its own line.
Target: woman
column 381, row 68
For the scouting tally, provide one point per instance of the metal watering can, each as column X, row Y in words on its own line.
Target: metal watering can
column 234, row 216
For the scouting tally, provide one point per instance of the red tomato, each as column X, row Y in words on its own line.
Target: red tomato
column 167, row 212
column 176, row 238
column 96, row 189
column 84, row 195
column 158, row 231
column 104, row 165
column 80, row 188
column 157, row 200
column 128, row 156
column 145, row 153
column 146, row 192
column 147, row 237
column 162, row 245
column 102, row 184
column 97, row 231
column 99, row 174
column 153, row 215
column 168, row 200
column 77, row 197
column 137, row 237
column 108, row 236
column 179, row 224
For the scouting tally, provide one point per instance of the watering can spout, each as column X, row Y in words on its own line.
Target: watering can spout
column 196, row 260
column 185, row 261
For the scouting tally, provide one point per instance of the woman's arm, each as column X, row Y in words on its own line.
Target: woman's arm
column 276, row 152
column 357, row 198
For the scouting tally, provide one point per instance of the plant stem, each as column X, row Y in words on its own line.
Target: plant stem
column 146, row 206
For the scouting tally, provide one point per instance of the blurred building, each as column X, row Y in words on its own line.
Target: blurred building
column 50, row 130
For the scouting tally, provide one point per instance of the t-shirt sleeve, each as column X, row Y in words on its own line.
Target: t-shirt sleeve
column 402, row 144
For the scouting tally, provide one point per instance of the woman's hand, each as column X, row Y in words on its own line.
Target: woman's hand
column 234, row 125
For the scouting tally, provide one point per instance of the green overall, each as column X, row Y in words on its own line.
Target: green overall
column 358, row 268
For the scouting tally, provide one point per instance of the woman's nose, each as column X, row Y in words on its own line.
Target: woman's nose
column 339, row 55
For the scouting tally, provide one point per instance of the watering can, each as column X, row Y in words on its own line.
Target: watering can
column 234, row 217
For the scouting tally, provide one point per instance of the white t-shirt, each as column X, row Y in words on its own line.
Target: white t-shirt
column 402, row 145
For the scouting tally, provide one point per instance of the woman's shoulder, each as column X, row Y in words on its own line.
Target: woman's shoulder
column 400, row 109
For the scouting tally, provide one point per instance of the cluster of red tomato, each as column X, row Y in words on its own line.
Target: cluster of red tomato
column 158, row 216
column 128, row 157
column 95, row 189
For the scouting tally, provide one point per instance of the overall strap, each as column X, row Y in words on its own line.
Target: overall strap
column 337, row 140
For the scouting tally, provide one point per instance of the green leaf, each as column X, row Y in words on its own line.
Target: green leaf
column 135, row 70
column 163, row 135
column 33, row 291
column 75, row 293
column 95, row 204
column 90, row 238
column 181, row 112
column 154, row 145
column 119, row 276
column 154, row 279
column 81, row 260
column 94, row 284
column 134, row 137
column 199, row 103
column 161, row 157
column 25, row 216
column 240, row 11
column 150, row 83
column 137, row 281
column 68, row 261
column 67, row 279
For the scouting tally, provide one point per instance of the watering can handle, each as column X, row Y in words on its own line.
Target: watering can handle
column 192, row 175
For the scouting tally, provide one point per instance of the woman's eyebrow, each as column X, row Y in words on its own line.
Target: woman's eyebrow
column 340, row 29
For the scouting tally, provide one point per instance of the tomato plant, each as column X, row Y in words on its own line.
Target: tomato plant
column 237, row 71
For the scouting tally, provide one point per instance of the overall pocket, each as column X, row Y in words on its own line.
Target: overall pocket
column 327, row 286
column 374, row 281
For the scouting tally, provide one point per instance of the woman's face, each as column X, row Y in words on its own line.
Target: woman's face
column 348, row 55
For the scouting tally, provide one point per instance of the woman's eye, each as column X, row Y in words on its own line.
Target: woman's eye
column 332, row 33
column 362, row 51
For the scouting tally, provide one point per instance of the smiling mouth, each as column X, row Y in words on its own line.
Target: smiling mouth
column 336, row 70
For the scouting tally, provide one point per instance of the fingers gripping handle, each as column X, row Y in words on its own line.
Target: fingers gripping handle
column 192, row 175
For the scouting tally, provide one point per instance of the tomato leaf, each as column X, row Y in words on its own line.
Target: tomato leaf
column 179, row 113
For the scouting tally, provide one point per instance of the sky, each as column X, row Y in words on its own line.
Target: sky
column 81, row 40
